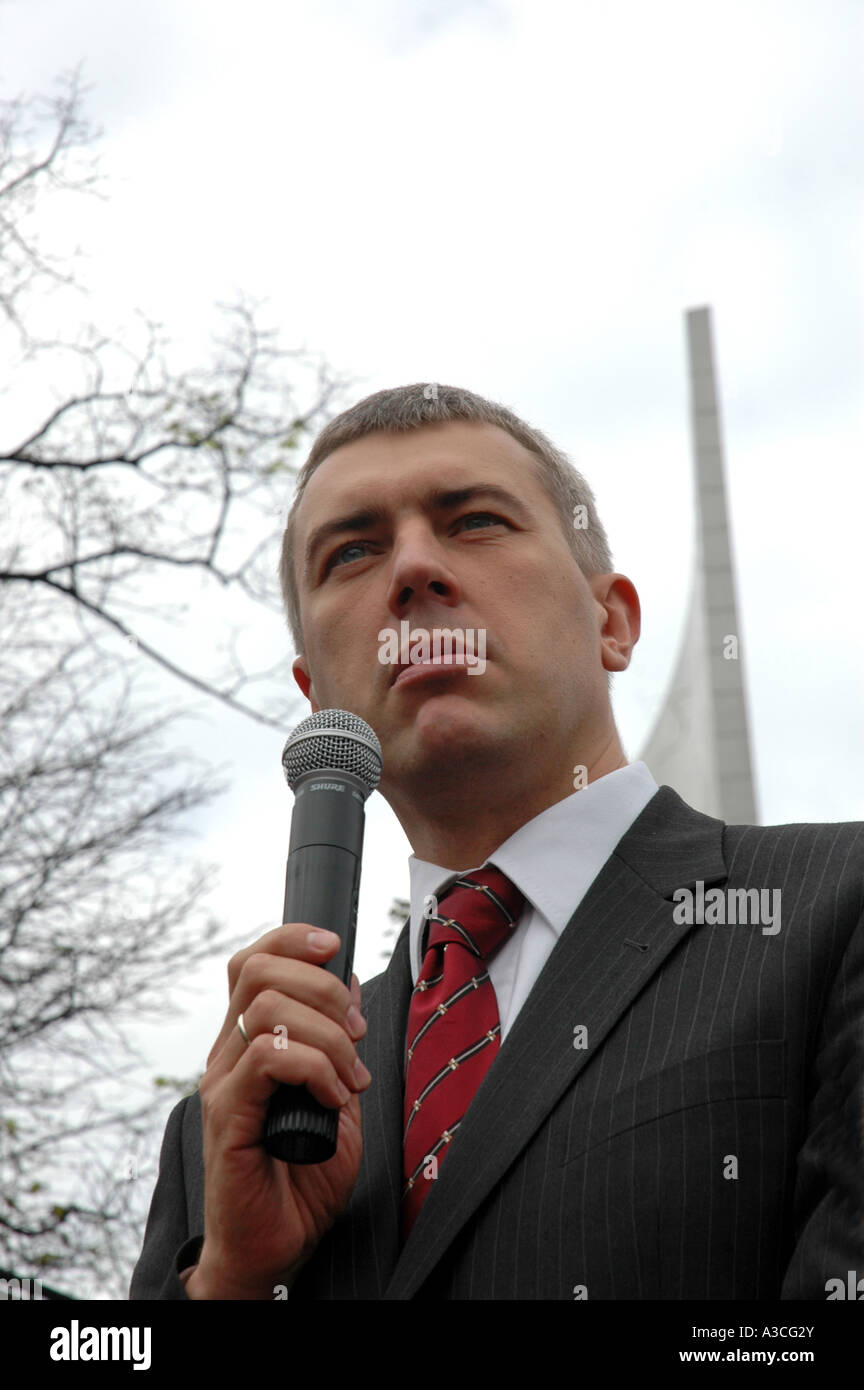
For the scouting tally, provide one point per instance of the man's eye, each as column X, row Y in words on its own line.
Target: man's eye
column 480, row 516
column 338, row 556
column 343, row 555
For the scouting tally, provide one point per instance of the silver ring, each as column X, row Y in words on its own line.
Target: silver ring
column 241, row 1025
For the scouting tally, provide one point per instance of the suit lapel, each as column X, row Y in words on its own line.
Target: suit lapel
column 616, row 940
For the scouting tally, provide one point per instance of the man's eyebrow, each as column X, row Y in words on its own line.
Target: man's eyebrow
column 454, row 497
column 439, row 499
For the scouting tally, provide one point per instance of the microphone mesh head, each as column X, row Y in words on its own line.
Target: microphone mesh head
column 333, row 740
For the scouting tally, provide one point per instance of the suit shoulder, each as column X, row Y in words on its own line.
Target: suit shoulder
column 820, row 864
column 844, row 838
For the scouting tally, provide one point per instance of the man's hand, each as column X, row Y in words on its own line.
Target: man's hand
column 264, row 1218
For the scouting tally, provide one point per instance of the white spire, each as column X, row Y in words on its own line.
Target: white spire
column 700, row 743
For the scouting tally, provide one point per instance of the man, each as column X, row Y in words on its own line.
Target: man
column 635, row 1105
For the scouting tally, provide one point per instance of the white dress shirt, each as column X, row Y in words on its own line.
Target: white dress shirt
column 553, row 860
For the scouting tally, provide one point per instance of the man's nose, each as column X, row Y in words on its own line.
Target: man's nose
column 420, row 571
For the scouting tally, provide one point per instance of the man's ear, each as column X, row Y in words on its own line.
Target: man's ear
column 620, row 618
column 304, row 680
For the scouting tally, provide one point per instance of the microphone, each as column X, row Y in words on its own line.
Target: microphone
column 332, row 761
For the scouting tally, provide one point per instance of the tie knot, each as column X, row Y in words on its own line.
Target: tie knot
column 479, row 911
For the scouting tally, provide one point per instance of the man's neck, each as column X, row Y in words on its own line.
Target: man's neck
column 467, row 826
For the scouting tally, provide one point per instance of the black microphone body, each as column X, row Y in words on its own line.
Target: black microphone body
column 322, row 885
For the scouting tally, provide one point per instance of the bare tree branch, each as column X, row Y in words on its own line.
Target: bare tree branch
column 42, row 141
column 138, row 491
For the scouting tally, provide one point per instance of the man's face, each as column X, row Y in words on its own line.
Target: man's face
column 449, row 526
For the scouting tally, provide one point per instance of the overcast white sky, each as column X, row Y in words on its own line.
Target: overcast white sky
column 522, row 197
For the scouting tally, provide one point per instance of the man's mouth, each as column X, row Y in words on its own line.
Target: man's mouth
column 438, row 653
column 457, row 662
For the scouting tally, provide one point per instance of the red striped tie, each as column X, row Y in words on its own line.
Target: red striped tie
column 453, row 1023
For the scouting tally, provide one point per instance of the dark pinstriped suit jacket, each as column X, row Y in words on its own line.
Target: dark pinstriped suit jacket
column 708, row 1143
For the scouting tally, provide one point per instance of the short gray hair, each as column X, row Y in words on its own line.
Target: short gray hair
column 403, row 408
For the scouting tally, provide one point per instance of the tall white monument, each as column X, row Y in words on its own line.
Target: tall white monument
column 700, row 743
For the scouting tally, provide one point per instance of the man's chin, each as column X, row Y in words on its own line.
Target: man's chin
column 446, row 729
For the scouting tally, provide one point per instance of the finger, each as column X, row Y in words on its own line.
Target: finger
column 225, row 1053
column 286, row 1019
column 286, row 1023
column 245, row 1092
column 296, row 979
column 298, row 940
column 296, row 970
column 284, row 1026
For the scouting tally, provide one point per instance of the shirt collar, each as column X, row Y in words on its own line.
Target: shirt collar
column 554, row 858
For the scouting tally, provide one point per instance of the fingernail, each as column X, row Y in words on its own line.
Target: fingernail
column 356, row 1022
column 321, row 940
column 361, row 1075
column 343, row 1093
